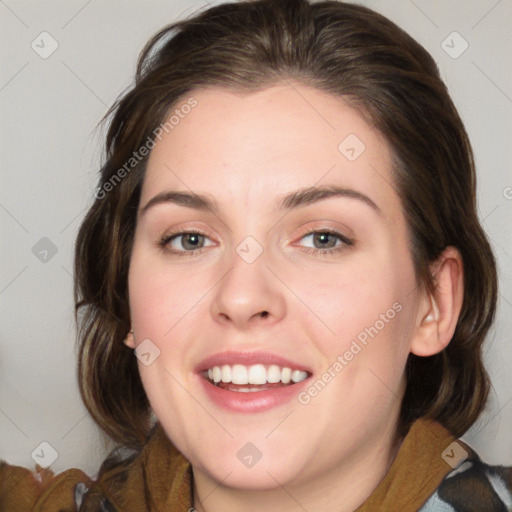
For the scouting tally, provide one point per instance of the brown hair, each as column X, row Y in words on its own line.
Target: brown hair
column 353, row 53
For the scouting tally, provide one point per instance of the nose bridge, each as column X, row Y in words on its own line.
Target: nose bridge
column 249, row 290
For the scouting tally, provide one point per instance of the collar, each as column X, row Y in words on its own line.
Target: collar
column 416, row 472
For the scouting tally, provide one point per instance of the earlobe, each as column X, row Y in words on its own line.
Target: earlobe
column 129, row 340
column 438, row 314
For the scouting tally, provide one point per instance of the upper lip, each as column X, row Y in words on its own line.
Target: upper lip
column 248, row 359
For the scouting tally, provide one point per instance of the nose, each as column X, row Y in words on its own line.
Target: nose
column 249, row 295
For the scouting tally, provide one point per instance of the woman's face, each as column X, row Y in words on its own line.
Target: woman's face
column 296, row 266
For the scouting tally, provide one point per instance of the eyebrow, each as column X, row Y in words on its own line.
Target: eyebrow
column 296, row 199
column 309, row 195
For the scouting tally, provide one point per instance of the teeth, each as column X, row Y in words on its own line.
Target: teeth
column 226, row 373
column 257, row 374
column 298, row 376
column 239, row 374
column 273, row 374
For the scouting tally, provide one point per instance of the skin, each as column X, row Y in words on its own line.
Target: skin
column 247, row 151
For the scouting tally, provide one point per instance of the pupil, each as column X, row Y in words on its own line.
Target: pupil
column 323, row 238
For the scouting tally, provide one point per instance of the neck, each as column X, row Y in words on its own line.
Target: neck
column 342, row 488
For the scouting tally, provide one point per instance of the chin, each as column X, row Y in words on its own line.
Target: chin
column 261, row 477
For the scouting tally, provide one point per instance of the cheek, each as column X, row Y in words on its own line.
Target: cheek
column 362, row 311
column 351, row 299
column 162, row 308
column 160, row 298
column 167, row 306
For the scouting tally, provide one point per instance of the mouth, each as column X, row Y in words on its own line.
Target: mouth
column 251, row 382
column 258, row 377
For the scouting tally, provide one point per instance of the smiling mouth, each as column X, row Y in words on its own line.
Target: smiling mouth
column 253, row 378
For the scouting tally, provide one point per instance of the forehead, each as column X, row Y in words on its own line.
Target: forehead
column 266, row 142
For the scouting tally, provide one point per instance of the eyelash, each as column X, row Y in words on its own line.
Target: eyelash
column 346, row 242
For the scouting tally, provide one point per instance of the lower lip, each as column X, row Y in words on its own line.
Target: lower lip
column 254, row 401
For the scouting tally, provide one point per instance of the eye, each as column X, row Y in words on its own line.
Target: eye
column 189, row 243
column 326, row 241
column 185, row 242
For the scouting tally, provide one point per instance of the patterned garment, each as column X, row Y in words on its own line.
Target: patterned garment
column 421, row 478
column 473, row 487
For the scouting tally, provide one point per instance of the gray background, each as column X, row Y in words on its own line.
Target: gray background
column 50, row 153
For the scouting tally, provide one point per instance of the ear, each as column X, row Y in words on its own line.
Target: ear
column 129, row 341
column 438, row 315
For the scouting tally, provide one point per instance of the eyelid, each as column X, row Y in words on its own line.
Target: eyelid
column 322, row 226
column 188, row 227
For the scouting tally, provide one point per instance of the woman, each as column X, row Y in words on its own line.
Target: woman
column 285, row 235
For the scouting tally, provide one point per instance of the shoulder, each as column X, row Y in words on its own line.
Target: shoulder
column 23, row 490
column 137, row 481
column 127, row 481
column 473, row 485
